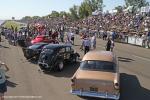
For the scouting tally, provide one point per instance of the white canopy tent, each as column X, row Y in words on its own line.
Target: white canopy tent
column 97, row 12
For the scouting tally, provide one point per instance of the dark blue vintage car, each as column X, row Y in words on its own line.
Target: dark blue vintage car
column 54, row 56
column 33, row 51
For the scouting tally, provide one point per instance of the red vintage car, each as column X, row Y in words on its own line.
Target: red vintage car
column 43, row 38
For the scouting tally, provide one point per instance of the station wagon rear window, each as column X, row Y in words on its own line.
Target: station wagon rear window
column 98, row 66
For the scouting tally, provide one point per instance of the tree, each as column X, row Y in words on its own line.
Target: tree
column 26, row 18
column 119, row 9
column 74, row 12
column 89, row 6
column 136, row 3
column 54, row 14
column 36, row 17
column 96, row 5
column 85, row 10
column 62, row 14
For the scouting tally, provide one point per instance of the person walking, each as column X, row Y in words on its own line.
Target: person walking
column 86, row 43
column 93, row 41
column 62, row 36
column 148, row 39
column 72, row 37
column 110, row 45
column 144, row 40
column 3, row 86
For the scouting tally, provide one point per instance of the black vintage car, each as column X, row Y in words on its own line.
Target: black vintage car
column 54, row 56
column 33, row 51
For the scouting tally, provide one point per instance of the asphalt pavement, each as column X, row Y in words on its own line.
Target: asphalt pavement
column 26, row 82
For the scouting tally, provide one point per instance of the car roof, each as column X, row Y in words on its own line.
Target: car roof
column 99, row 55
column 54, row 46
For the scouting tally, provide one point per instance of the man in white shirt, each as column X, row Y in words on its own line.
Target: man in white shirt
column 93, row 41
column 70, row 37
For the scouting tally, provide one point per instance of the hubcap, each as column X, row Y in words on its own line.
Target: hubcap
column 61, row 65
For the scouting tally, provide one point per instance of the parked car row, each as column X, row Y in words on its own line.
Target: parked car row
column 98, row 73
column 51, row 56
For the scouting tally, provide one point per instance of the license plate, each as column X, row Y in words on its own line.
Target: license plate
column 92, row 89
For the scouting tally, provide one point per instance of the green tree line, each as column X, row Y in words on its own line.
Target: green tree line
column 87, row 7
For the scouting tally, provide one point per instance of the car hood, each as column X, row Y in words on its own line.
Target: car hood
column 36, row 40
column 95, row 75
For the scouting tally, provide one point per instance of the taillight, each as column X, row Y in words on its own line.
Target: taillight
column 116, row 85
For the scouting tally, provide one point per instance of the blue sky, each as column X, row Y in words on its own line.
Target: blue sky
column 21, row 8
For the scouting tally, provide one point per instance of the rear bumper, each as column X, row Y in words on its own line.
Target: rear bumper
column 95, row 94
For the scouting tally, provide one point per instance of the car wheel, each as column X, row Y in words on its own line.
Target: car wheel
column 60, row 66
column 75, row 59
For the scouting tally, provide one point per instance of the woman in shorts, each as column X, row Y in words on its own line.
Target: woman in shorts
column 3, row 86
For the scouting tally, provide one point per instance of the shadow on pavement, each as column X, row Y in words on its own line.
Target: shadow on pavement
column 68, row 71
column 7, row 77
column 33, row 61
column 11, row 84
column 90, row 98
column 123, row 59
column 77, row 45
column 131, row 88
column 1, row 46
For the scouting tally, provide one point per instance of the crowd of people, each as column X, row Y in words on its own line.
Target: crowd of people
column 105, row 25
column 122, row 24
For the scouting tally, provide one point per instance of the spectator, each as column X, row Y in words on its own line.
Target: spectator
column 86, row 44
column 72, row 37
column 143, row 40
column 110, row 45
column 148, row 39
column 3, row 86
column 93, row 41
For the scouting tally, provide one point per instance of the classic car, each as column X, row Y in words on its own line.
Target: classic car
column 34, row 50
column 98, row 76
column 43, row 38
column 54, row 56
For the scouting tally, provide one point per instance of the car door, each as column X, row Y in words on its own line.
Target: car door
column 61, row 53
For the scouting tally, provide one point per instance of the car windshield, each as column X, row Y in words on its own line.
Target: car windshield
column 36, row 46
column 98, row 66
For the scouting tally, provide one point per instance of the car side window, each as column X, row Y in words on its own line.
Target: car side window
column 62, row 50
column 68, row 49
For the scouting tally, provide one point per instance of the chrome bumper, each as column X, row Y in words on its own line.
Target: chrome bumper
column 95, row 94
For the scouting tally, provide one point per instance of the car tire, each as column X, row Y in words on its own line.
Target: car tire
column 60, row 66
